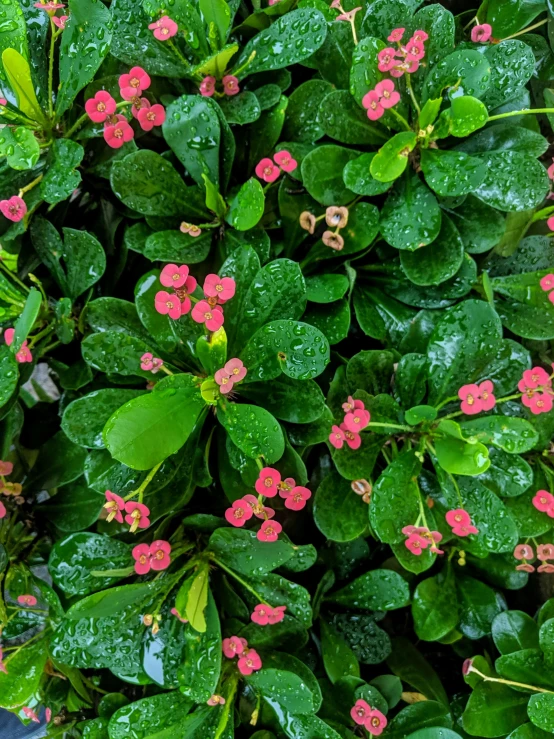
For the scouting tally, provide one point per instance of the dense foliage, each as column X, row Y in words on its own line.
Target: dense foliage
column 276, row 401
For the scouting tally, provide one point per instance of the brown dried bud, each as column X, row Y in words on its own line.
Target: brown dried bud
column 333, row 240
column 147, row 619
column 19, row 500
column 307, row 221
column 336, row 217
column 366, row 497
column 361, row 487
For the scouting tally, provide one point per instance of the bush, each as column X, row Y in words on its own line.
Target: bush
column 277, row 299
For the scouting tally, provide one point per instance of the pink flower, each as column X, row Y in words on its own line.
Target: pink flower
column 349, row 16
column 543, row 501
column 550, row 223
column 175, row 612
column 296, row 499
column 337, row 437
column 216, row 700
column 48, row 715
column 416, row 543
column 482, row 33
column 360, row 712
column 387, row 59
column 100, row 106
column 548, row 568
column 258, row 509
column 27, row 600
column 471, row 400
column 14, row 208
column 352, row 405
column 207, row 86
column 420, row 36
column 24, row 354
column 278, row 615
column 164, row 28
column 159, row 555
column 415, row 50
column 269, row 531
column 3, row 101
column 133, row 84
column 174, row 276
column 222, row 288
column 547, row 282
column 524, row 551
column 537, row 402
column 460, row 522
column 268, row 482
column 396, row 34
column 191, row 229
column 49, row 6
column 236, row 369
column 249, row 662
column 168, row 304
column 353, row 439
column 525, row 568
column 486, row 390
column 150, row 117
column 389, row 97
column 2, row 510
column 117, row 134
column 550, row 172
column 6, row 468
column 372, row 103
column 285, row 160
column 138, row 105
column 267, row 171
column 114, row 505
column 141, row 555
column 29, row 713
column 147, row 361
column 60, row 23
column 204, row 313
column 357, row 420
column 375, row 722
column 239, row 513
column 224, row 381
column 534, row 378
column 137, row 515
column 230, row 84
column 260, row 615
column 233, row 646
column 545, row 552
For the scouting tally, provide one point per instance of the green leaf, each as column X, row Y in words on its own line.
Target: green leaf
column 514, row 181
column 284, row 687
column 27, row 318
column 114, row 351
column 513, row 435
column 199, row 673
column 218, row 13
column 478, row 607
column 461, row 458
column 326, row 288
column 14, row 32
column 61, row 178
column 470, row 219
column 148, row 429
column 392, row 158
column 438, row 261
column 18, row 73
column 59, row 461
column 514, row 630
column 112, row 601
column 338, row 658
column 451, row 173
column 242, row 108
column 510, row 16
column 411, row 667
column 360, row 231
column 174, row 246
column 84, row 44
column 508, row 475
column 467, row 114
column 435, row 606
column 512, row 66
column 343, row 120
column 148, row 717
column 494, row 710
column 541, row 711
column 301, row 120
column 24, row 671
column 287, row 399
column 254, row 430
column 339, row 513
column 463, row 69
column 322, row 174
column 357, row 177
column 411, row 217
column 197, row 600
column 75, row 507
column 20, row 147
column 377, row 590
column 247, row 207
column 84, row 419
column 528, row 312
column 289, row 40
column 395, row 498
column 417, row 716
column 76, row 264
column 243, row 552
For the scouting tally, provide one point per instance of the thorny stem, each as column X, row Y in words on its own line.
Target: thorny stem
column 239, row 579
column 489, row 679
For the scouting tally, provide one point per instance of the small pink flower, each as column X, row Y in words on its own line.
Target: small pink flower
column 471, row 402
column 550, row 223
column 233, row 646
column 389, row 97
column 537, row 402
column 249, row 662
column 416, row 543
column 6, row 468
column 460, row 522
column 260, row 615
column 387, row 59
column 352, row 405
column 543, row 501
column 258, row 509
column 60, row 22
column 285, row 160
column 360, row 712
column 133, row 84
column 114, row 505
column 207, row 86
column 550, row 171
column 222, row 288
column 336, row 5
column 481, row 34
column 29, row 713
column 141, row 555
column 174, row 276
column 49, row 6
column 420, row 36
column 269, row 531
column 175, row 612
column 357, row 420
column 372, row 103
column 268, row 482
column 14, row 208
column 48, row 715
column 337, row 437
column 3, row 101
column 236, row 369
column 278, row 615
column 100, row 106
column 350, row 16
column 24, row 354
column 486, row 390
column 547, row 282
column 375, row 722
column 525, row 568
column 2, row 510
column 224, row 380
column 408, row 65
column 138, row 105
column 160, row 551
column 117, row 134
column 164, row 28
column 150, row 117
column 464, row 530
column 137, row 515
column 296, row 499
column 546, row 567
column 415, row 50
column 396, row 34
column 230, row 84
column 353, row 439
column 267, row 171
column 239, row 513
column 168, row 304
column 545, row 552
column 204, row 313
column 146, row 362
column 524, row 551
column 216, row 700
column 534, row 378
column 27, row 600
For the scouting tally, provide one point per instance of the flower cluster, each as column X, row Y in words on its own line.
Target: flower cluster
column 137, row 513
column 406, row 57
column 536, row 386
column 216, row 700
column 525, row 554
column 370, row 718
column 335, row 217
column 378, row 100
column 269, row 170
column 164, row 28
column 233, row 372
column 50, row 8
column 24, row 353
column 249, row 660
column 419, row 538
column 547, row 284
column 150, row 363
column 460, row 522
column 477, row 398
column 356, row 418
column 230, row 86
column 155, row 556
column 14, row 208
column 8, row 488
column 482, row 33
column 117, row 130
column 264, row 614
column 544, row 502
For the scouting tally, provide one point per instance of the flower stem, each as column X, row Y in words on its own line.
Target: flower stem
column 489, row 679
column 390, row 426
column 516, row 396
column 30, row 186
column 51, row 68
column 403, row 120
column 147, row 480
column 239, row 579
column 525, row 111
column 412, row 93
column 526, row 30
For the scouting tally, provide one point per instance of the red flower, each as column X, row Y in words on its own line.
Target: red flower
column 207, row 86
column 117, row 134
column 360, row 712
column 416, row 544
column 138, row 105
column 29, row 713
column 415, row 50
column 396, row 34
column 537, row 402
column 375, row 722
column 137, row 515
column 544, row 502
column 159, row 554
column 222, row 288
column 114, row 506
column 2, row 510
column 204, row 313
column 285, row 160
column 150, row 117
column 133, row 84
column 269, row 531
column 233, row 646
column 230, row 84
column 481, row 34
column 420, row 36
column 164, row 28
column 6, row 468
column 372, row 103
column 278, row 615
column 14, row 208
column 525, row 568
column 268, row 482
column 239, row 513
column 337, row 437
column 258, row 509
column 100, row 106
column 260, row 614
column 389, row 97
column 249, row 662
column 296, row 499
column 169, row 304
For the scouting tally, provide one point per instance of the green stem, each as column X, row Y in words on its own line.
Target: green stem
column 239, row 579
column 30, row 186
column 34, row 339
column 526, row 30
column 543, row 213
column 525, row 111
column 390, row 426
column 13, row 276
column 489, row 679
column 176, row 51
column 412, row 93
column 147, row 480
column 516, row 396
column 403, row 120
column 51, row 68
